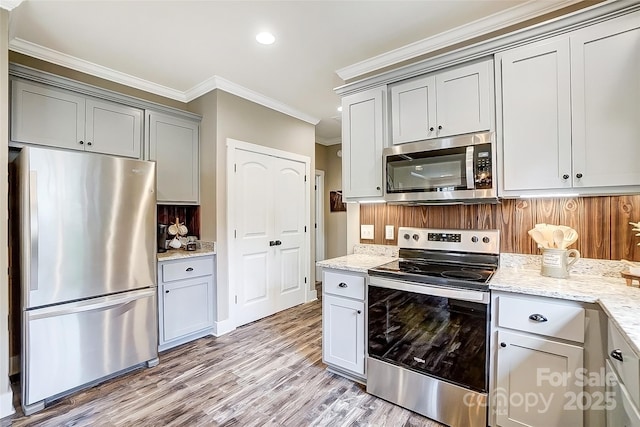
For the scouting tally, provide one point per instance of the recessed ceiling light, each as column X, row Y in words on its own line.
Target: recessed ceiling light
column 265, row 38
column 340, row 108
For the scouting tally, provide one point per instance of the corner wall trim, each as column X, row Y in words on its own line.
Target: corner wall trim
column 6, row 404
column 223, row 327
column 312, row 295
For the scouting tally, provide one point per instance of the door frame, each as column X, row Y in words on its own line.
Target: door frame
column 232, row 146
column 319, row 220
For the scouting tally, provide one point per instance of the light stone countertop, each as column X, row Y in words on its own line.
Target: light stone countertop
column 591, row 281
column 206, row 248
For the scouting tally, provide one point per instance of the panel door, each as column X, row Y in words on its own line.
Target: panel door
column 536, row 112
column 413, row 110
column 47, row 116
column 528, row 367
column 187, row 307
column 343, row 333
column 605, row 66
column 113, row 129
column 253, row 261
column 463, row 99
column 174, row 146
column 289, row 208
column 363, row 128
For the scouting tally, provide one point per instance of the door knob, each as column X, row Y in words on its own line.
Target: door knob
column 272, row 242
column 278, row 242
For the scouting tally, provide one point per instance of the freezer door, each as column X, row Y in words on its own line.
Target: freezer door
column 69, row 345
column 87, row 225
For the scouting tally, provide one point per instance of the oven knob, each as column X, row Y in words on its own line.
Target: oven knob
column 474, row 239
column 416, row 237
column 485, row 239
column 407, row 236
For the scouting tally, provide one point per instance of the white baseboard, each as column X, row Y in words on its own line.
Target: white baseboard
column 14, row 365
column 223, row 327
column 312, row 295
column 6, row 404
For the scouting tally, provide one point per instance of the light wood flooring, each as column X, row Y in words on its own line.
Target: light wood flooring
column 267, row 373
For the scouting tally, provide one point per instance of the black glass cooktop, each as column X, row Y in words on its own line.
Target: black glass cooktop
column 436, row 273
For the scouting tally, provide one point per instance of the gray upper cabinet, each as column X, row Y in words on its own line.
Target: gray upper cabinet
column 452, row 102
column 174, row 146
column 55, row 117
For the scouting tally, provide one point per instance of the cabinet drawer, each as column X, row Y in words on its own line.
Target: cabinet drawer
column 554, row 320
column 186, row 269
column 346, row 285
column 628, row 369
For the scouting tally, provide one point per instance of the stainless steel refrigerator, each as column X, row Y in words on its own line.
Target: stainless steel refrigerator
column 87, row 267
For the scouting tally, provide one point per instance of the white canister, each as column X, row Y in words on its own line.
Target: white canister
column 556, row 262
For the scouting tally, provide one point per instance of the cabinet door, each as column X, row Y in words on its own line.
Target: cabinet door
column 343, row 333
column 363, row 128
column 464, row 99
column 113, row 129
column 621, row 412
column 413, row 110
column 174, row 145
column 47, row 116
column 187, row 307
column 536, row 382
column 536, row 113
column 605, row 66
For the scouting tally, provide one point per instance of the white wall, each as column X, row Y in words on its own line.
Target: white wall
column 6, row 397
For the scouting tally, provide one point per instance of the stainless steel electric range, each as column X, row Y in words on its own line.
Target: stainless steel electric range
column 428, row 324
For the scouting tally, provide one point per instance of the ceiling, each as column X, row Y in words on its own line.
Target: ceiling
column 178, row 48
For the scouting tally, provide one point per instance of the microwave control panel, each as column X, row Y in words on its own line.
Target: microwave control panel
column 482, row 166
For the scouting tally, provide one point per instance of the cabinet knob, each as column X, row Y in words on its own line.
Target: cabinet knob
column 565, row 176
column 89, row 143
column 377, row 188
column 166, row 292
column 578, row 175
column 189, row 269
column 81, row 142
column 538, row 318
column 342, row 285
column 617, row 354
column 431, row 129
column 440, row 127
column 359, row 312
column 503, row 344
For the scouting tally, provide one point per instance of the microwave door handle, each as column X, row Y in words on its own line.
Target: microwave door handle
column 469, row 162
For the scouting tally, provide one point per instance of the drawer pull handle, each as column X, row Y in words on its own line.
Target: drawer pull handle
column 189, row 269
column 342, row 285
column 617, row 354
column 538, row 318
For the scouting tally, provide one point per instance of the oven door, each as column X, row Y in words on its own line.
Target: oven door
column 441, row 332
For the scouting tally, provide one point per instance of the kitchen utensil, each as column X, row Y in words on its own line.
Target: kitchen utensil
column 558, row 238
column 556, row 262
column 537, row 236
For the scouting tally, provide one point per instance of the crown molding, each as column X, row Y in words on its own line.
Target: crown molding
column 497, row 21
column 215, row 82
column 328, row 141
column 9, row 4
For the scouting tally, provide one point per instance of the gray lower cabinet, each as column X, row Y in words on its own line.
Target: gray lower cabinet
column 55, row 117
column 185, row 300
column 343, row 323
column 173, row 143
column 623, row 381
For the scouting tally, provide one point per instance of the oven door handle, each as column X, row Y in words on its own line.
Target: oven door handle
column 459, row 294
column 471, row 185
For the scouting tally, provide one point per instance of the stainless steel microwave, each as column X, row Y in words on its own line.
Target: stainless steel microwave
column 459, row 169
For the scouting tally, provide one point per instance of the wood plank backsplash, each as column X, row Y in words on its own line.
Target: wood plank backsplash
column 189, row 215
column 602, row 222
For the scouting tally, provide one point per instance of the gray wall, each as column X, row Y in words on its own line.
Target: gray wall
column 335, row 223
column 6, row 404
column 246, row 121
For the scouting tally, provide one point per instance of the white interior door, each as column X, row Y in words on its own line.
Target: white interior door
column 270, row 255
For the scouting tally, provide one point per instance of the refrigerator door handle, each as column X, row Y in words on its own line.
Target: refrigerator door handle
column 33, row 206
column 102, row 303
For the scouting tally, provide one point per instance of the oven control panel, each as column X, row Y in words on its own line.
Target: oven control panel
column 480, row 241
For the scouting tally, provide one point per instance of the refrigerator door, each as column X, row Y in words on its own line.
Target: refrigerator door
column 70, row 345
column 88, row 225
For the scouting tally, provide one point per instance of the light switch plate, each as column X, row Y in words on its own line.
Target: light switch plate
column 366, row 231
column 388, row 232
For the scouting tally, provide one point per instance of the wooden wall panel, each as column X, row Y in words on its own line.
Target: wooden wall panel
column 601, row 222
